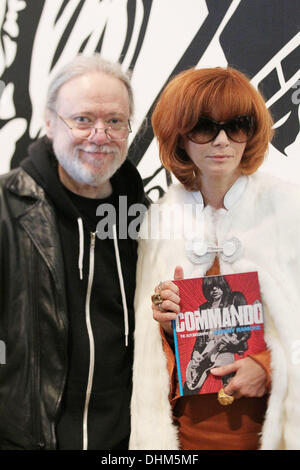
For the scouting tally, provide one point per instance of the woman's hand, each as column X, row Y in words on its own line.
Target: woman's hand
column 250, row 379
column 168, row 309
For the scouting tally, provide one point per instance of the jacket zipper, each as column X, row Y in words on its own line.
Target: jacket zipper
column 91, row 340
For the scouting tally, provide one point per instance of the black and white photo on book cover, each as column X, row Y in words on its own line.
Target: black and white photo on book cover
column 220, row 321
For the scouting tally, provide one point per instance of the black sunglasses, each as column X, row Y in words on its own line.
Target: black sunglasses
column 239, row 129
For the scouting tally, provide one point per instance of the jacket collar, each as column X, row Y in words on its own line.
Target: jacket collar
column 36, row 215
column 231, row 197
column 22, row 184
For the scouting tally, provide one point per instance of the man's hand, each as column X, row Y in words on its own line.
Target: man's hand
column 250, row 378
column 169, row 308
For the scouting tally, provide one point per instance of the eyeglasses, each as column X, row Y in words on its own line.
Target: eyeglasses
column 84, row 130
column 240, row 129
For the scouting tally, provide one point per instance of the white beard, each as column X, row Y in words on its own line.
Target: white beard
column 85, row 174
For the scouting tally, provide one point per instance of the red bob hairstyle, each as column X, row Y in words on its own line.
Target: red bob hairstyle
column 220, row 93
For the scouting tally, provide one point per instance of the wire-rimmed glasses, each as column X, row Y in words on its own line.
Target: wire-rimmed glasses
column 84, row 130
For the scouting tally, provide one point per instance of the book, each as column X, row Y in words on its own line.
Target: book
column 220, row 321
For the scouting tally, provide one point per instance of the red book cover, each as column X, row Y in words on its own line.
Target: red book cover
column 220, row 321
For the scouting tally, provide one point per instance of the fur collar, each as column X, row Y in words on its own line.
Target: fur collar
column 265, row 218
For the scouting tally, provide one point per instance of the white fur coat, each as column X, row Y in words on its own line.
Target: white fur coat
column 264, row 215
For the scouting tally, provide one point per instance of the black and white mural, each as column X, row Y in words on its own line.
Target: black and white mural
column 154, row 39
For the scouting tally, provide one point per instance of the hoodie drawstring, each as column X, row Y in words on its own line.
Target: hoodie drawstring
column 125, row 310
column 81, row 247
column 91, row 341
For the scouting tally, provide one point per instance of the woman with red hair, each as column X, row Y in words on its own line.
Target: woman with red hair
column 213, row 131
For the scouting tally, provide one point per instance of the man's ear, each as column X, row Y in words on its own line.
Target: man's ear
column 49, row 123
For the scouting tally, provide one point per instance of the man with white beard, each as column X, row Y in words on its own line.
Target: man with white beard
column 66, row 312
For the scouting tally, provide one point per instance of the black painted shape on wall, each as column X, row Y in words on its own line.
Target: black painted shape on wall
column 189, row 59
column 277, row 23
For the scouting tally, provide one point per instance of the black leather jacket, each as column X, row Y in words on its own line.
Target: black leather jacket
column 33, row 315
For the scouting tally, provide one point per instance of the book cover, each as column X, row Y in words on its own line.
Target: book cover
column 220, row 321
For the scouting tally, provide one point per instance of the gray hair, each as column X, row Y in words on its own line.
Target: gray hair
column 82, row 65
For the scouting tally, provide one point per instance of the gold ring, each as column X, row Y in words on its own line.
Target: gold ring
column 224, row 399
column 157, row 299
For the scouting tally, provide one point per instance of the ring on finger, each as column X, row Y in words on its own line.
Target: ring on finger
column 225, row 399
column 157, row 299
